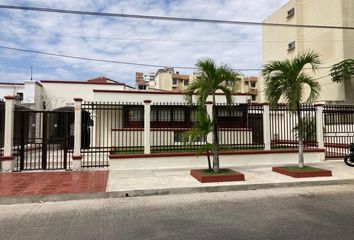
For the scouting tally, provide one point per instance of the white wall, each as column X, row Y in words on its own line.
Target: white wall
column 10, row 90
column 135, row 96
column 62, row 94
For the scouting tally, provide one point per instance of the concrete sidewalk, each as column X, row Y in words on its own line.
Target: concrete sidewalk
column 158, row 182
column 61, row 186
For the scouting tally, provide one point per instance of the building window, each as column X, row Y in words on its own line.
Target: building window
column 229, row 113
column 19, row 96
column 174, row 81
column 194, row 115
column 164, row 115
column 253, row 84
column 153, row 115
column 178, row 115
column 246, row 83
column 135, row 115
column 291, row 13
column 253, row 97
column 186, row 82
column 291, row 46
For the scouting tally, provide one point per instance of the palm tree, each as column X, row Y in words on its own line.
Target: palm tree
column 212, row 78
column 202, row 127
column 287, row 80
column 344, row 72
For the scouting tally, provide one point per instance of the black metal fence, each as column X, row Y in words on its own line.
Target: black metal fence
column 338, row 121
column 110, row 128
column 240, row 126
column 45, row 140
column 170, row 123
column 284, row 127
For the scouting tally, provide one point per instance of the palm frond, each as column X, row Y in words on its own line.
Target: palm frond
column 343, row 71
column 286, row 79
column 313, row 85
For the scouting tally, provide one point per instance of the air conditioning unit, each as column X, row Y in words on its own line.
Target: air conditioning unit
column 291, row 13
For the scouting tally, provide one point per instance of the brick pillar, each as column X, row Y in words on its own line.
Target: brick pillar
column 319, row 125
column 77, row 158
column 147, row 110
column 209, row 108
column 7, row 159
column 266, row 127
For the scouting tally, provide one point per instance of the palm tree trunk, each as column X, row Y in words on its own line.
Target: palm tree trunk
column 216, row 165
column 301, row 140
column 209, row 163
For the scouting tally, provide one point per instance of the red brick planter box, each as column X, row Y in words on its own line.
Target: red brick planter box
column 208, row 178
column 303, row 174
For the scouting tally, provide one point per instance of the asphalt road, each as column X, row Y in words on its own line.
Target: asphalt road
column 297, row 213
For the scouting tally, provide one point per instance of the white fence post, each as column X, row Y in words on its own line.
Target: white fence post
column 77, row 158
column 319, row 125
column 266, row 127
column 7, row 159
column 147, row 110
column 209, row 106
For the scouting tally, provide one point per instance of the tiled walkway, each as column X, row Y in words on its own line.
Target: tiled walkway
column 47, row 183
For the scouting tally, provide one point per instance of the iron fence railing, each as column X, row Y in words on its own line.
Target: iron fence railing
column 284, row 127
column 338, row 121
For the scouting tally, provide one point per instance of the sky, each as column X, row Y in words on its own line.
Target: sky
column 132, row 40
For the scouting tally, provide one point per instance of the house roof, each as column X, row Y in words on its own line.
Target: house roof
column 157, row 92
column 180, row 76
column 98, row 80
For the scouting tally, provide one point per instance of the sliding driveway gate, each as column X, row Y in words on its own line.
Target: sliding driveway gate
column 338, row 130
column 43, row 140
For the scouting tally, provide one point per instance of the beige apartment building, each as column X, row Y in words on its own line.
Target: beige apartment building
column 168, row 79
column 333, row 45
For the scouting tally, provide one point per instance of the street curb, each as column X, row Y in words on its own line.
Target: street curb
column 168, row 191
column 228, row 188
column 10, row 200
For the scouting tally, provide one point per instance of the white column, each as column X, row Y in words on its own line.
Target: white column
column 319, row 125
column 7, row 159
column 266, row 127
column 147, row 110
column 209, row 108
column 77, row 158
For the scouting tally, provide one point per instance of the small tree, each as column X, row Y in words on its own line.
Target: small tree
column 287, row 79
column 201, row 128
column 212, row 78
column 344, row 72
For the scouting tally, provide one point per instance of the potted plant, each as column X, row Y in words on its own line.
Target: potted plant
column 286, row 80
column 211, row 78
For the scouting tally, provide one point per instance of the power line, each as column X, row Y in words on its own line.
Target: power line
column 57, row 35
column 168, row 18
column 118, row 62
column 85, row 58
column 109, row 61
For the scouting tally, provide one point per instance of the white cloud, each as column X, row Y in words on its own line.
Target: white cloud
column 39, row 31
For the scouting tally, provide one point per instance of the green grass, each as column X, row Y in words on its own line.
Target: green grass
column 193, row 149
column 221, row 172
column 297, row 169
column 183, row 148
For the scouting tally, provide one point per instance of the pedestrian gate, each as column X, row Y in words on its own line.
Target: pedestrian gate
column 43, row 140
